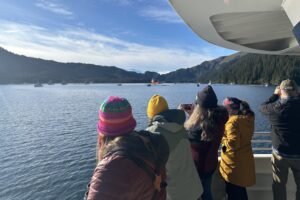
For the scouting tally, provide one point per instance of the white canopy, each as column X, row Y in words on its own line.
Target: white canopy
column 257, row 26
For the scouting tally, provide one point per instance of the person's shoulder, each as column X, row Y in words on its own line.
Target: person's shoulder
column 112, row 165
column 245, row 118
column 234, row 118
column 221, row 111
column 295, row 99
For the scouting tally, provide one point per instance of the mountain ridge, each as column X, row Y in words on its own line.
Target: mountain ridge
column 240, row 68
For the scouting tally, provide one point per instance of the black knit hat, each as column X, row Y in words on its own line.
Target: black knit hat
column 207, row 98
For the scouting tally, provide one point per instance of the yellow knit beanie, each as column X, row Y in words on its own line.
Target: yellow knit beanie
column 156, row 105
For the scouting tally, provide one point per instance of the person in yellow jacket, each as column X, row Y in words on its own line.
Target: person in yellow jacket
column 237, row 165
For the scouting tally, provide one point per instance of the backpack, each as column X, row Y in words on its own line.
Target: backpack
column 150, row 152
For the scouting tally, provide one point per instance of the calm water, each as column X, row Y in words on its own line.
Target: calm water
column 48, row 135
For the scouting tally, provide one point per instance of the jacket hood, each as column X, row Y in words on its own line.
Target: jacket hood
column 171, row 120
column 172, row 116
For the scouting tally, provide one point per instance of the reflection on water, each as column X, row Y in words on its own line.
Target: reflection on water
column 48, row 135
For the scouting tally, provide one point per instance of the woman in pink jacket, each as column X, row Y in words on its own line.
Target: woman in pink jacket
column 126, row 168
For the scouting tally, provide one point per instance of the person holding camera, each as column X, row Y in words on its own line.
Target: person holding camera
column 205, row 128
column 283, row 109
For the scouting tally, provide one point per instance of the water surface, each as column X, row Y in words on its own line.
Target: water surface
column 48, row 135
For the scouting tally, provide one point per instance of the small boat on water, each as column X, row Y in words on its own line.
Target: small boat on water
column 38, row 85
column 266, row 84
column 155, row 81
column 209, row 83
column 148, row 85
column 50, row 83
column 120, row 84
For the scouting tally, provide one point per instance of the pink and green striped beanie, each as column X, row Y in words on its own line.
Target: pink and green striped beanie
column 115, row 117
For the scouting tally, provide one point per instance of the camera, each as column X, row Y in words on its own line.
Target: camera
column 187, row 106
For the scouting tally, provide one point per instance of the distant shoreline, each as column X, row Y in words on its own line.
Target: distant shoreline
column 135, row 83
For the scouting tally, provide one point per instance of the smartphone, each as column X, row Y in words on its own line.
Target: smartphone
column 187, row 106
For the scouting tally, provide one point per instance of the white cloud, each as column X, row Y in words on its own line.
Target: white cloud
column 161, row 14
column 53, row 7
column 78, row 45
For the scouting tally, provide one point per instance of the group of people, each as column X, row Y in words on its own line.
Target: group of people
column 175, row 157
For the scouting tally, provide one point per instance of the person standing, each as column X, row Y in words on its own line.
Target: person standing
column 283, row 109
column 237, row 165
column 205, row 128
column 182, row 179
column 127, row 161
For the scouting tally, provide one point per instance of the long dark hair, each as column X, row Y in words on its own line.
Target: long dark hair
column 237, row 106
column 245, row 109
column 208, row 120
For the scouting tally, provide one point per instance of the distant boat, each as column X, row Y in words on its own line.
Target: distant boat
column 232, row 83
column 266, row 84
column 38, row 85
column 148, row 85
column 198, row 84
column 154, row 81
column 120, row 84
column 209, row 83
column 50, row 83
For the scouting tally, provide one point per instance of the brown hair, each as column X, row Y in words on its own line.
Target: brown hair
column 103, row 143
column 208, row 120
column 245, row 109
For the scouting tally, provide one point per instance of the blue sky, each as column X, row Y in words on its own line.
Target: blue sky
column 135, row 35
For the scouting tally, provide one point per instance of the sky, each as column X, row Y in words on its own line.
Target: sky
column 135, row 35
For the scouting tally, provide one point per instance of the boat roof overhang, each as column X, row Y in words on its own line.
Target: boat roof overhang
column 256, row 26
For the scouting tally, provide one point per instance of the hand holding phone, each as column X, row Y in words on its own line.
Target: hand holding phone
column 187, row 107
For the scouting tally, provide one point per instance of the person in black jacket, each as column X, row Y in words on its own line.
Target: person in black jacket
column 283, row 110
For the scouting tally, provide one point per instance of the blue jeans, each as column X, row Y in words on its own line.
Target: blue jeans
column 206, row 184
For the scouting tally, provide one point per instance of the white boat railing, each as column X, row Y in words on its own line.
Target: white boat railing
column 261, row 143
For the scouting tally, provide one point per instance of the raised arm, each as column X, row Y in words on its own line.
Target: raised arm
column 271, row 105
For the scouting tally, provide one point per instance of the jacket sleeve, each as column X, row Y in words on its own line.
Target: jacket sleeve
column 270, row 106
column 232, row 138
